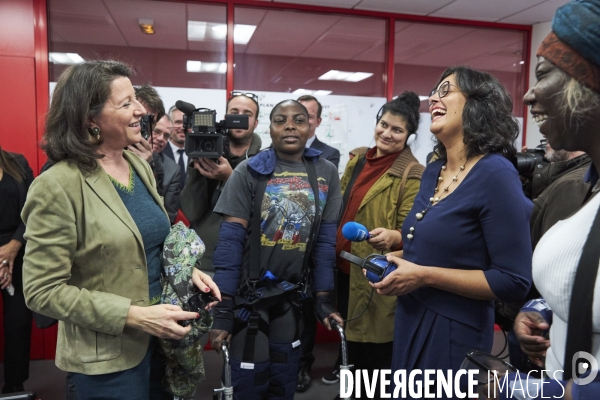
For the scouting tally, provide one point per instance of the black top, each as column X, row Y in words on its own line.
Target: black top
column 12, row 199
column 9, row 208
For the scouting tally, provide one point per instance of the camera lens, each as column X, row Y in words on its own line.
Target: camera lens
column 525, row 162
column 208, row 145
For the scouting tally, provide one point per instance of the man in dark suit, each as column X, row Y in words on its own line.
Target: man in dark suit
column 307, row 338
column 314, row 119
column 166, row 171
column 175, row 146
column 171, row 174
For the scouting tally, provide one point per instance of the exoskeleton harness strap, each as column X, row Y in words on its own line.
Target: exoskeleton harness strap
column 252, row 293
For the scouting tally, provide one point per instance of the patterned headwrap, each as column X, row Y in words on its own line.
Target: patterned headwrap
column 574, row 43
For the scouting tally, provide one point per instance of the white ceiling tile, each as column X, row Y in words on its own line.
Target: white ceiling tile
column 324, row 3
column 543, row 12
column 418, row 7
column 289, row 33
column 348, row 38
column 484, row 10
column 84, row 22
column 419, row 38
column 249, row 16
column 505, row 45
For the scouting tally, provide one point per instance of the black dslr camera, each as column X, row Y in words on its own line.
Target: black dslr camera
column 525, row 162
column 196, row 303
column 206, row 138
column 146, row 125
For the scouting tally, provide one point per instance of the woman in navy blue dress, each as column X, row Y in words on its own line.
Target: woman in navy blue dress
column 466, row 240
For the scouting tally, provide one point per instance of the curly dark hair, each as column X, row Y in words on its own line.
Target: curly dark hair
column 79, row 96
column 407, row 106
column 488, row 124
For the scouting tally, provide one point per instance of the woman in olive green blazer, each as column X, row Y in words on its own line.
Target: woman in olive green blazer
column 92, row 257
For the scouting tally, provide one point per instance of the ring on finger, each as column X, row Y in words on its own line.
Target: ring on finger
column 4, row 262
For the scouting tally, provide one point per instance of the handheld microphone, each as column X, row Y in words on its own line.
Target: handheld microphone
column 184, row 107
column 355, row 232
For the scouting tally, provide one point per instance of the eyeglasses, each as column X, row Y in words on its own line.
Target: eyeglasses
column 247, row 94
column 442, row 91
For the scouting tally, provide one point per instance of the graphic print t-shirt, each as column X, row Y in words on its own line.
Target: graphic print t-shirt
column 287, row 211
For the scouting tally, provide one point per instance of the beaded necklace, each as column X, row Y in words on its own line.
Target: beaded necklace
column 434, row 200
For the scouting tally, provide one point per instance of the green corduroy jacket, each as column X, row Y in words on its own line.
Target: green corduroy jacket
column 378, row 210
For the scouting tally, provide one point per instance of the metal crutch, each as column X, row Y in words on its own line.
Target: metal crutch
column 225, row 392
column 344, row 347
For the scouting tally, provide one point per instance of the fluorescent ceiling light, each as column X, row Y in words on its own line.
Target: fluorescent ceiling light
column 302, row 92
column 65, row 58
column 196, row 30
column 423, row 98
column 358, row 76
column 335, row 75
column 221, row 29
column 208, row 67
column 193, row 66
column 201, row 30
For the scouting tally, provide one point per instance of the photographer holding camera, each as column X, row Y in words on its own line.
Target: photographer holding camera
column 165, row 170
column 557, row 190
column 206, row 178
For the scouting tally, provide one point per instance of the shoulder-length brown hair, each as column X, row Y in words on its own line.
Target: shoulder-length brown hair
column 11, row 166
column 79, row 96
column 488, row 124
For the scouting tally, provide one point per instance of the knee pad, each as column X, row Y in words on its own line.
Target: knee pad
column 284, row 369
column 249, row 384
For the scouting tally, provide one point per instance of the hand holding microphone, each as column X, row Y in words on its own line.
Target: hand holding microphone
column 380, row 238
column 355, row 232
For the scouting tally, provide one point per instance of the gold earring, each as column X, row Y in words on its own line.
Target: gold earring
column 96, row 131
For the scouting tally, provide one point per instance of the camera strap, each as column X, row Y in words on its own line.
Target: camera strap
column 580, row 323
column 254, row 269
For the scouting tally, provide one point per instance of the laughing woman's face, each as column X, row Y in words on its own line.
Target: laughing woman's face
column 545, row 99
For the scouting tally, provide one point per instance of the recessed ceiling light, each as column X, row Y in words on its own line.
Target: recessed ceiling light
column 335, row 75
column 147, row 26
column 65, row 58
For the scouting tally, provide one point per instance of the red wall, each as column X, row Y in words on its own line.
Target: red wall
column 23, row 102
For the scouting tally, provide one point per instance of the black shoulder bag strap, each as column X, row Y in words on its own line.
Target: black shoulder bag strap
column 357, row 168
column 579, row 327
column 259, row 193
column 314, row 184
